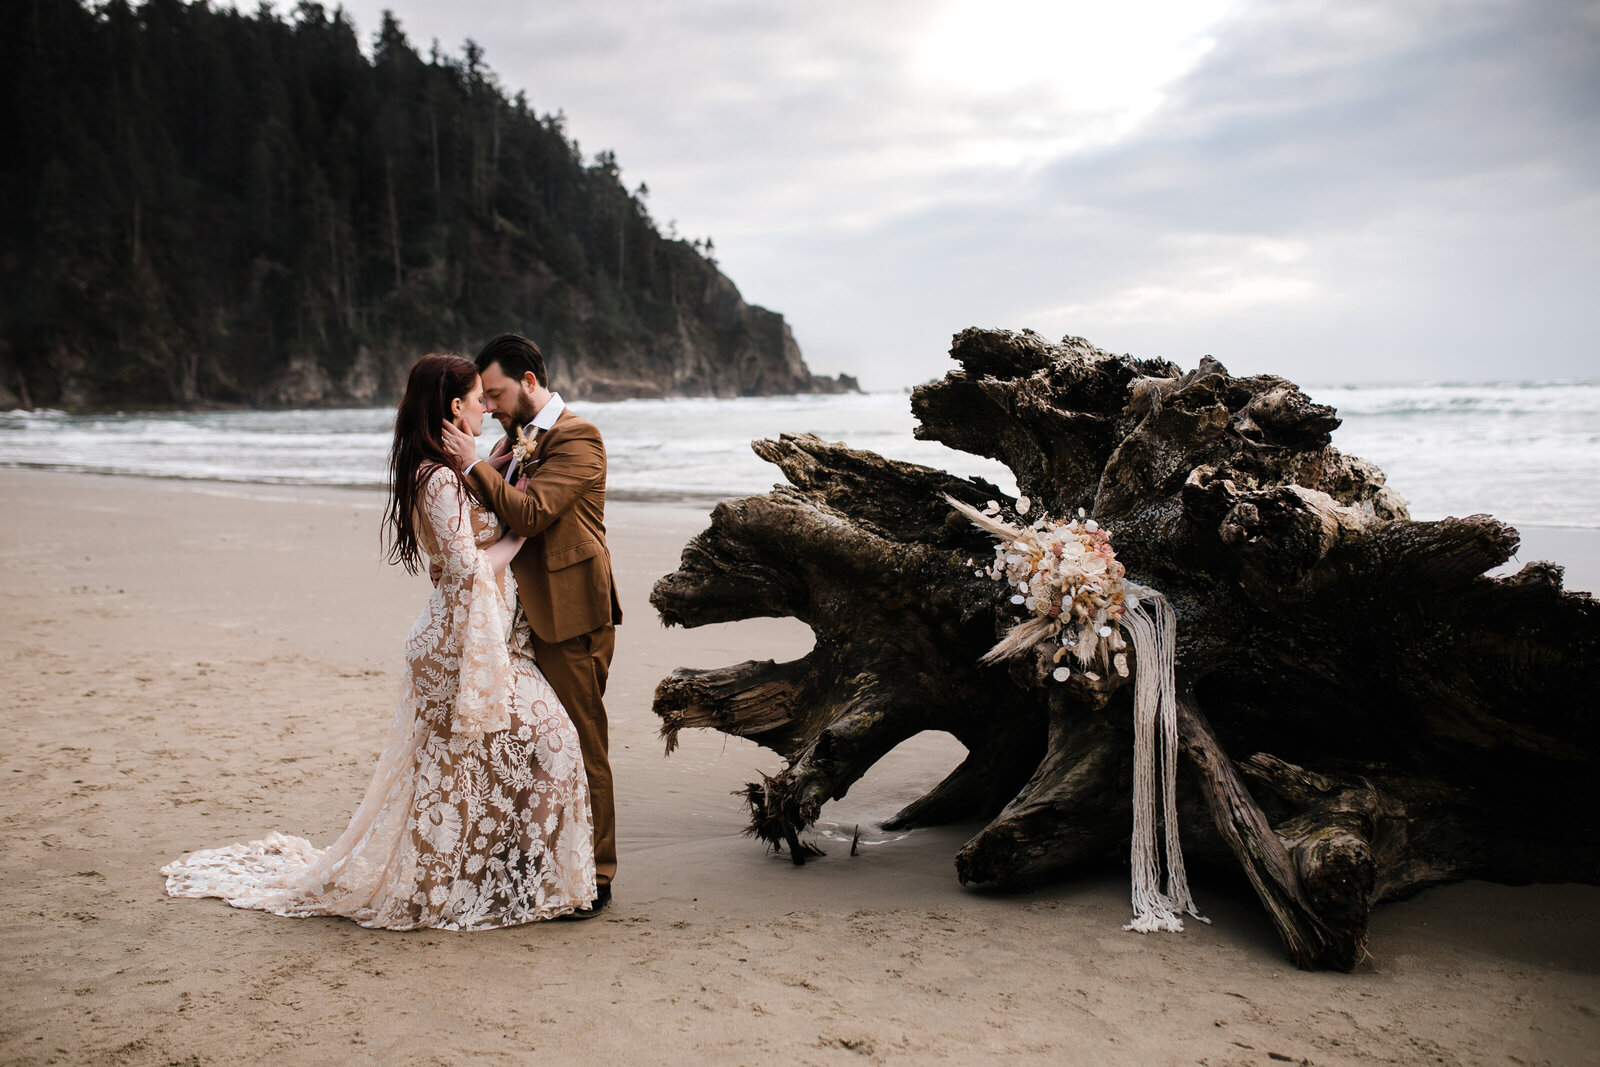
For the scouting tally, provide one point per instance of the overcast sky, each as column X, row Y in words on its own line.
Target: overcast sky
column 1333, row 190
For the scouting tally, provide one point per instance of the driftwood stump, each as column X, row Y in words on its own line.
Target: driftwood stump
column 1363, row 712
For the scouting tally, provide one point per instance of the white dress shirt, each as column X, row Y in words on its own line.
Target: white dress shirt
column 548, row 414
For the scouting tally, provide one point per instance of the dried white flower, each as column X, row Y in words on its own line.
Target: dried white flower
column 1061, row 674
column 1023, row 504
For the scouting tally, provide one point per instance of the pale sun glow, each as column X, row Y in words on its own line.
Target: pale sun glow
column 1088, row 72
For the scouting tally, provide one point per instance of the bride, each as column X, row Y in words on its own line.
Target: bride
column 478, row 815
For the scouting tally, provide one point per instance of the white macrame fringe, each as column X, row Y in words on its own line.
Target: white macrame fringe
column 1155, row 719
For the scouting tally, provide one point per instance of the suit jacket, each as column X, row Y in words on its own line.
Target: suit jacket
column 564, row 571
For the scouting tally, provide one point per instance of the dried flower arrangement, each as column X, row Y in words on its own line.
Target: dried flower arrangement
column 1067, row 577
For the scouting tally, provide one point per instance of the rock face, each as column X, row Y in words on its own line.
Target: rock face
column 1361, row 711
column 717, row 346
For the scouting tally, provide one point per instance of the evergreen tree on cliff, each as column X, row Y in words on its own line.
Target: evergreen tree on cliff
column 204, row 205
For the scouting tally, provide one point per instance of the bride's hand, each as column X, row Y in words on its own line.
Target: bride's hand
column 460, row 446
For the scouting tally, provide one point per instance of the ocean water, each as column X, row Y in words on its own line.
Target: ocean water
column 1525, row 452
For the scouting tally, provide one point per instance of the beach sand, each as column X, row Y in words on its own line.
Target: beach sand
column 189, row 664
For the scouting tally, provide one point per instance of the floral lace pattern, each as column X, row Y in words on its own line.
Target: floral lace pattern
column 478, row 814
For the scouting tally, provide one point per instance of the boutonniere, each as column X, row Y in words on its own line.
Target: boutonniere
column 523, row 447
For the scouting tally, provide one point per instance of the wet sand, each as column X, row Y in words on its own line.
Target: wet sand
column 188, row 664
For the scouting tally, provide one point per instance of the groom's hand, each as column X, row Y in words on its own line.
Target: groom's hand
column 461, row 447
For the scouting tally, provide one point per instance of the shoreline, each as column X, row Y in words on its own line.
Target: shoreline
column 1575, row 548
column 201, row 481
column 187, row 665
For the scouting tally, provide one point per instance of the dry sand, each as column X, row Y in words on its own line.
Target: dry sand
column 190, row 664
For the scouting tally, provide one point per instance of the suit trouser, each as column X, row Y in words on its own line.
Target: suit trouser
column 577, row 671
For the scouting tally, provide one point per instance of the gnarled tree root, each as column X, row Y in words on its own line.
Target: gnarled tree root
column 1379, row 716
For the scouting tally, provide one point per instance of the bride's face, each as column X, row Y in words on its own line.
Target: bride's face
column 467, row 411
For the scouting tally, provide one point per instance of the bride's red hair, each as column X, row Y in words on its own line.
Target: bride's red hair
column 436, row 379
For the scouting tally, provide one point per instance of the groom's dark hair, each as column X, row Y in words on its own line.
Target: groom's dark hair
column 516, row 355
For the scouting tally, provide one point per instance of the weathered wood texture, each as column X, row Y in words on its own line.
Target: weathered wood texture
column 1364, row 712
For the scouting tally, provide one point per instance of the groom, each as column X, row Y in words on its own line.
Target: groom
column 554, row 494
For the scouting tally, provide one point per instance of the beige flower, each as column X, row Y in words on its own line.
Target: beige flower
column 523, row 446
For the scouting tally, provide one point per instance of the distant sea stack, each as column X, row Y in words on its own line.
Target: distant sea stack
column 233, row 208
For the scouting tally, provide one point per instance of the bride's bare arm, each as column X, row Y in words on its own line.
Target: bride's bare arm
column 501, row 551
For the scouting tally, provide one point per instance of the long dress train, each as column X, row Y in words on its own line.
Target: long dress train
column 478, row 813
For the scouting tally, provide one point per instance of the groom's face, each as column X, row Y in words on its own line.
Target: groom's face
column 509, row 400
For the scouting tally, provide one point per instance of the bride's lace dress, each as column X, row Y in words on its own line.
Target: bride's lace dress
column 478, row 814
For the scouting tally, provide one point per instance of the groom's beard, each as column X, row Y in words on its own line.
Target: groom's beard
column 513, row 421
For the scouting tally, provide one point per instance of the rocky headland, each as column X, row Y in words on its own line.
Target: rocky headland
column 250, row 209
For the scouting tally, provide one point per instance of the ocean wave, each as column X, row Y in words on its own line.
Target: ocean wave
column 1547, row 399
column 1524, row 451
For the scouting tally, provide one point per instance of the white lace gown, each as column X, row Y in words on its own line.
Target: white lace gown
column 478, row 814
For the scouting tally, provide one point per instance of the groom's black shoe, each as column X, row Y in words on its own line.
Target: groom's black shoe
column 601, row 900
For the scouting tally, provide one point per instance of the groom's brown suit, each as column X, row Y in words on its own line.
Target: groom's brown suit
column 565, row 585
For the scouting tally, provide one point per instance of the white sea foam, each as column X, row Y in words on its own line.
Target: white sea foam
column 1526, row 452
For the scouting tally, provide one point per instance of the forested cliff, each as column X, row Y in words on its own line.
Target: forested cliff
column 206, row 206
